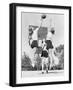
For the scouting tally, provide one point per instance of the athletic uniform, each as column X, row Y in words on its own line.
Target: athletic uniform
column 33, row 42
column 48, row 41
column 49, row 44
column 44, row 54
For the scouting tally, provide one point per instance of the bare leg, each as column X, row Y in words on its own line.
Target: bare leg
column 51, row 60
column 46, row 65
column 48, row 60
column 42, row 65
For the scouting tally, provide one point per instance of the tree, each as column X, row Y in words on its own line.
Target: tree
column 60, row 51
column 38, row 63
column 26, row 63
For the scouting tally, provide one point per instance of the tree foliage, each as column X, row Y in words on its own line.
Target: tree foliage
column 26, row 63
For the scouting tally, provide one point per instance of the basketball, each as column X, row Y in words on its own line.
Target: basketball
column 43, row 16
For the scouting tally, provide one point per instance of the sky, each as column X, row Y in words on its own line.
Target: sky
column 57, row 20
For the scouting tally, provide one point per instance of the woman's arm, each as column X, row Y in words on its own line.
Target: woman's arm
column 42, row 19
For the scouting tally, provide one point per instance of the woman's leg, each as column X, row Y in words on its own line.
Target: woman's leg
column 48, row 60
column 46, row 65
column 42, row 64
column 51, row 59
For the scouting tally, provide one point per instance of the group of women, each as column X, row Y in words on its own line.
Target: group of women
column 46, row 45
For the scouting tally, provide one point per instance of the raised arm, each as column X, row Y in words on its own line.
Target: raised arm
column 42, row 20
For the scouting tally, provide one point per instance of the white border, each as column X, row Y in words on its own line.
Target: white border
column 65, row 77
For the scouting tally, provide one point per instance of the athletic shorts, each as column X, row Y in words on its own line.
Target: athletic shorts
column 34, row 44
column 49, row 44
column 44, row 54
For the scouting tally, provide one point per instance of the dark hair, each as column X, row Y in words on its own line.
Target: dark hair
column 52, row 31
column 30, row 31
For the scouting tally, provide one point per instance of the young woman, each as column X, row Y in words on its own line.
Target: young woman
column 34, row 34
column 50, row 44
column 44, row 56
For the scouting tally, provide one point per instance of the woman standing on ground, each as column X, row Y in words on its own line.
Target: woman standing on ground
column 50, row 46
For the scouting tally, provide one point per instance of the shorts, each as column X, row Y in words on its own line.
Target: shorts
column 34, row 44
column 44, row 54
column 49, row 44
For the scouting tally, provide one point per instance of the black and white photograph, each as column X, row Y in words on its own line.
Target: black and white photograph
column 42, row 44
column 40, row 41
